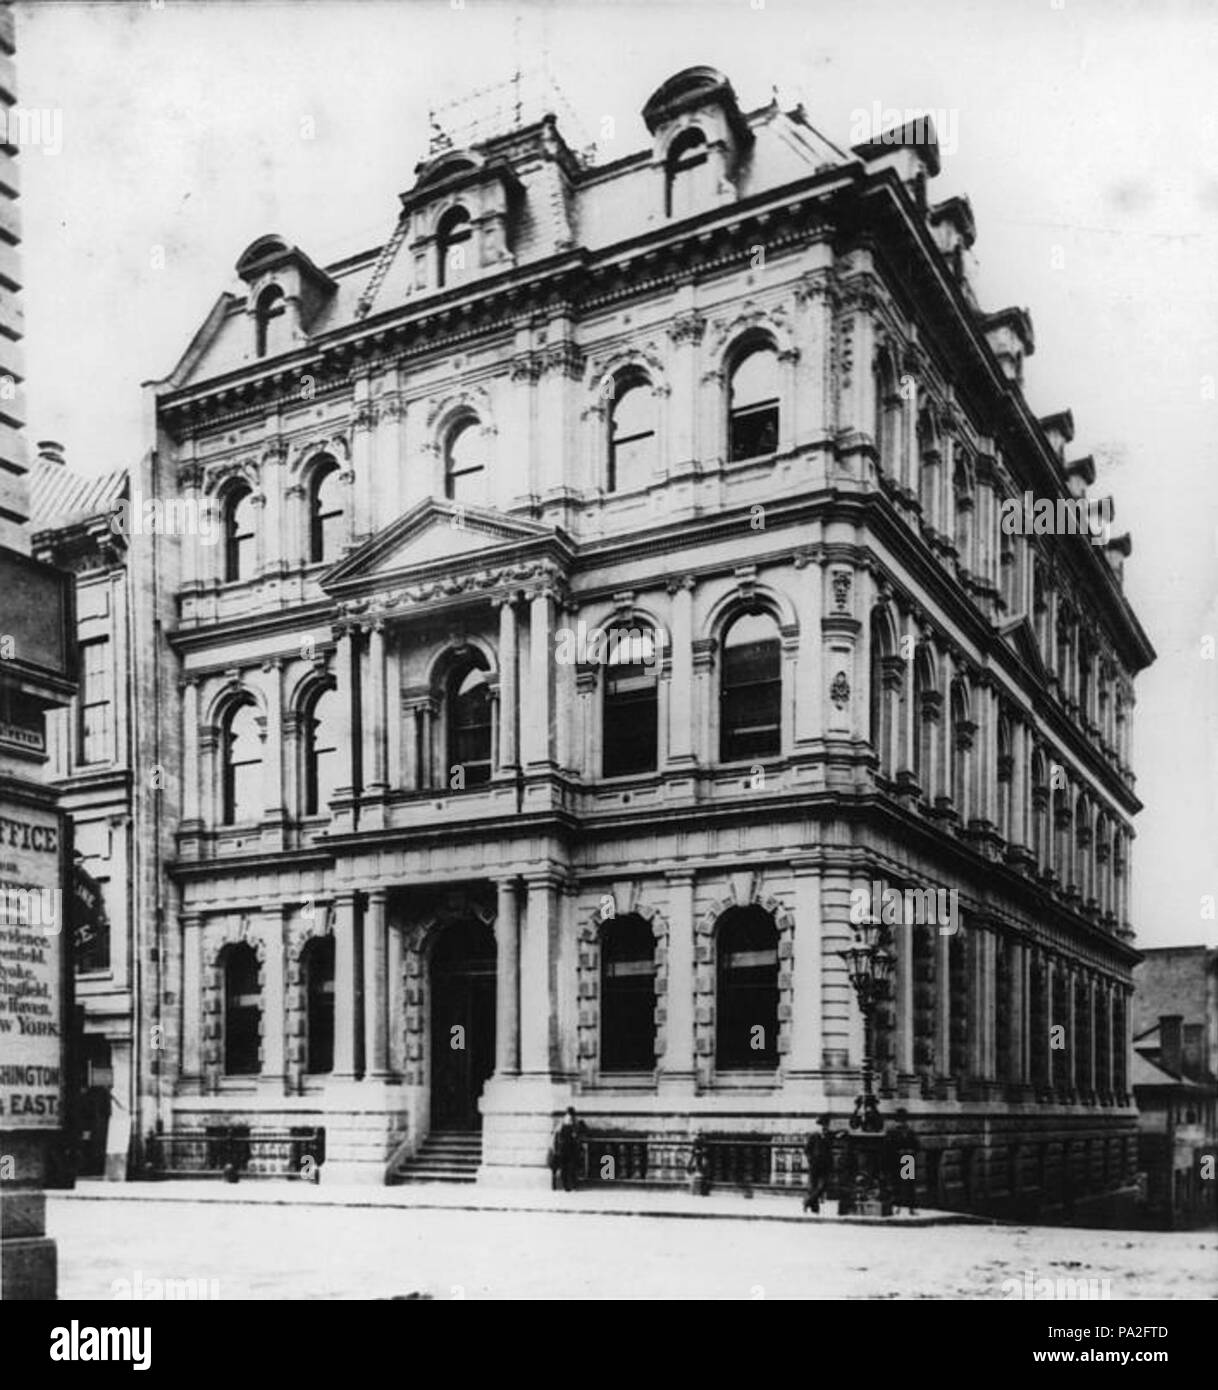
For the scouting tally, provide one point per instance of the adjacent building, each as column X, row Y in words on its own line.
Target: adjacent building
column 89, row 744
column 440, row 859
column 1175, row 1082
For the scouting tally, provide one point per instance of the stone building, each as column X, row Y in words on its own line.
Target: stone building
column 432, row 876
column 89, row 759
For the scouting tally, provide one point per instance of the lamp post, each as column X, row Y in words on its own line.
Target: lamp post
column 869, row 967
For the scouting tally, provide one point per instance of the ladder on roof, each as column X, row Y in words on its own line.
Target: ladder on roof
column 381, row 269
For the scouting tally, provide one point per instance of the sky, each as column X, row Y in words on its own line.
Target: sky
column 1084, row 133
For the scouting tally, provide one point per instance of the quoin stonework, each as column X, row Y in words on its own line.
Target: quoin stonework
column 426, row 885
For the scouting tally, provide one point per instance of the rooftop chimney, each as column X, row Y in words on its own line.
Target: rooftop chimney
column 51, row 451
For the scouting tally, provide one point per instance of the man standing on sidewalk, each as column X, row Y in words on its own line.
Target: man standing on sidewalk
column 819, row 1153
column 566, row 1148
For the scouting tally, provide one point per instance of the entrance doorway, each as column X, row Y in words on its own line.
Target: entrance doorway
column 462, row 1023
column 96, row 1078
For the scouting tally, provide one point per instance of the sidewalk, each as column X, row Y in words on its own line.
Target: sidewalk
column 469, row 1197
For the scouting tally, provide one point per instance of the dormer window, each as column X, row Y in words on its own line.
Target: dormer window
column 271, row 308
column 454, row 247
column 688, row 183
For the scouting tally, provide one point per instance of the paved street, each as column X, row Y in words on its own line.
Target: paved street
column 255, row 1248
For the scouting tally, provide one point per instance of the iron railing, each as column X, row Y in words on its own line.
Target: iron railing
column 232, row 1151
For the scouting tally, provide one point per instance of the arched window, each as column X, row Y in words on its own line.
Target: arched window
column 454, row 247
column 888, row 442
column 1006, row 829
column 923, row 717
column 240, row 544
column 753, row 404
column 746, row 1005
column 750, row 697
column 325, row 513
column 688, row 171
column 1040, row 612
column 1061, row 863
column 1082, row 847
column 963, row 492
column 628, row 995
column 317, row 965
column 1040, row 812
column 269, row 320
column 886, row 693
column 320, row 752
column 930, row 457
column 632, row 433
column 465, row 463
column 962, row 744
column 242, row 1011
column 242, row 765
column 631, row 705
column 469, row 724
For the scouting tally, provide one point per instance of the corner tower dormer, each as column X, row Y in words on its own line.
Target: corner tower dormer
column 699, row 138
column 461, row 211
column 285, row 292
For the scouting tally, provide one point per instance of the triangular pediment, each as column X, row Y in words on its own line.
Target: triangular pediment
column 432, row 535
column 1020, row 637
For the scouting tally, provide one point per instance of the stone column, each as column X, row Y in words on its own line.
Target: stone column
column 378, row 782
column 943, row 1004
column 507, row 982
column 681, row 691
column 1072, row 1078
column 272, row 547
column 1089, row 1024
column 376, row 988
column 809, row 712
column 538, row 705
column 192, row 1000
column 346, row 1012
column 537, row 954
column 191, row 765
column 393, row 994
column 677, row 1063
column 1015, row 1064
column 363, row 423
column 347, row 685
column 904, row 938
column 274, row 1016
column 272, row 756
column 806, row 1056
column 509, row 755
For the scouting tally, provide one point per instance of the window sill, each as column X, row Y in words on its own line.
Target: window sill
column 763, row 1079
column 625, row 1081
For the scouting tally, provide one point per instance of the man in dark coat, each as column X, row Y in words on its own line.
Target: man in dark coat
column 566, row 1148
column 819, row 1153
column 903, row 1163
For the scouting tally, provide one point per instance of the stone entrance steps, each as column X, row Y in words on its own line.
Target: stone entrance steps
column 446, row 1156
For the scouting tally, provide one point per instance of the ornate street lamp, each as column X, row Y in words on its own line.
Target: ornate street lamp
column 869, row 966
